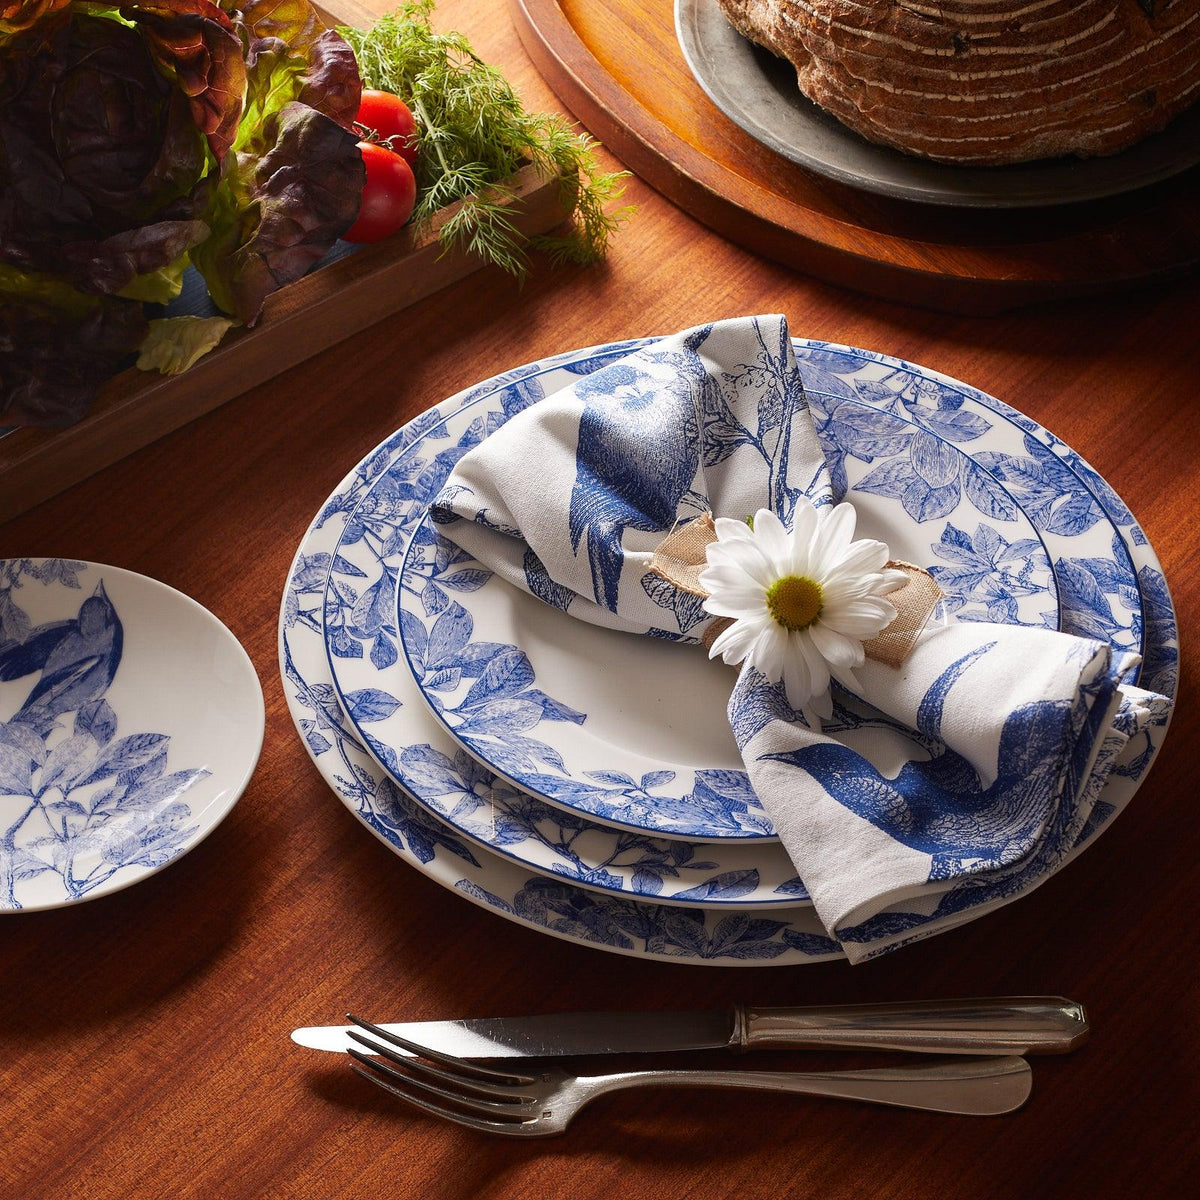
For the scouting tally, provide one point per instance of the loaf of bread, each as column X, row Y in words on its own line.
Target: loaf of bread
column 988, row 81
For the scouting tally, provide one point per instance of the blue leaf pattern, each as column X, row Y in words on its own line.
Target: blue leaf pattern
column 77, row 801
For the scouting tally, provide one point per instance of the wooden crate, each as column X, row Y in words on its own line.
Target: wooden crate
column 298, row 321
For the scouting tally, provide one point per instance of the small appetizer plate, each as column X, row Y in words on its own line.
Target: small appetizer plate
column 131, row 721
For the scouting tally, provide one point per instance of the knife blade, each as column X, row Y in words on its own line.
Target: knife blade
column 999, row 1025
column 556, row 1035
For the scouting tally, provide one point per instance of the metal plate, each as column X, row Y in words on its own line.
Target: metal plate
column 758, row 91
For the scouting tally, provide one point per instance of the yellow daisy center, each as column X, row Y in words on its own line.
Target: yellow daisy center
column 795, row 601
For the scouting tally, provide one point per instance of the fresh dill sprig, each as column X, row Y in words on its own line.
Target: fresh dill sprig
column 473, row 134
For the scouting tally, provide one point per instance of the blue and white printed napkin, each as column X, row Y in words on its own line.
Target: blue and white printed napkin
column 952, row 784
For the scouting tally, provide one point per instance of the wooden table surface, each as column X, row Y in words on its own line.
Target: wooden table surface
column 143, row 1037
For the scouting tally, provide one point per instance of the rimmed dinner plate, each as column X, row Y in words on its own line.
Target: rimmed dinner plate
column 709, row 936
column 131, row 721
column 757, row 90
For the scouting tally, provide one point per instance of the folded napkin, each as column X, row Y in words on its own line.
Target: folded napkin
column 945, row 786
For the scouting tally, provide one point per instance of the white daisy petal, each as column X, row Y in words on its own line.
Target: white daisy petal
column 861, row 619
column 840, row 590
column 771, row 535
column 848, row 680
column 860, row 558
column 833, row 537
column 770, row 652
column 729, row 530
column 804, row 524
column 744, row 599
column 735, row 612
column 724, row 574
column 733, row 643
column 746, row 556
column 839, row 650
column 797, row 679
column 818, row 670
column 820, row 706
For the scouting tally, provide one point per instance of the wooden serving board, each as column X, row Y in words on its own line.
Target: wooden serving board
column 298, row 321
column 618, row 67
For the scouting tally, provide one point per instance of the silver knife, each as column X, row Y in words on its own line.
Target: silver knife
column 997, row 1025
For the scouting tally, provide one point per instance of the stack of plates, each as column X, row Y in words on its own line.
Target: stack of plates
column 585, row 782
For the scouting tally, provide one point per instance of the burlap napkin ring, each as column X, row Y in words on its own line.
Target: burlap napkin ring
column 681, row 556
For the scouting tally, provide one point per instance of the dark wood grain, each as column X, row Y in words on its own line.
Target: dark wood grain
column 143, row 1036
column 617, row 65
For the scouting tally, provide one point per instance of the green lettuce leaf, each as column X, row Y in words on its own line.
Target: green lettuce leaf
column 278, row 212
column 159, row 287
column 293, row 183
column 323, row 63
column 173, row 344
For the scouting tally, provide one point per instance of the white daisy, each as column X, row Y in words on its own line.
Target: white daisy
column 802, row 601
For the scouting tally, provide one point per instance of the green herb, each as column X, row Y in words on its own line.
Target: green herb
column 473, row 134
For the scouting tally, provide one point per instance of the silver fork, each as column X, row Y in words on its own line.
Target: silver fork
column 544, row 1101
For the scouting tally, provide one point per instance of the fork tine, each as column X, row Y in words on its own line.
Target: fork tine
column 461, row 1065
column 515, row 1106
column 502, row 1092
column 511, row 1128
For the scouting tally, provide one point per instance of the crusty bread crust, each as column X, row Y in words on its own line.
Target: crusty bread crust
column 988, row 81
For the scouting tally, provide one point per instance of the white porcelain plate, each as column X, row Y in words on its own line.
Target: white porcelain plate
column 131, row 720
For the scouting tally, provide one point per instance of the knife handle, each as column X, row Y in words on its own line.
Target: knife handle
column 999, row 1025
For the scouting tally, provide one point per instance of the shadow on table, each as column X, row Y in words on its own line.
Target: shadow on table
column 691, row 1131
column 120, row 954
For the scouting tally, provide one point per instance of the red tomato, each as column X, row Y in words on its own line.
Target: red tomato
column 388, row 195
column 386, row 119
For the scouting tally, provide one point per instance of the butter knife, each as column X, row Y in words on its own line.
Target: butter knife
column 996, row 1025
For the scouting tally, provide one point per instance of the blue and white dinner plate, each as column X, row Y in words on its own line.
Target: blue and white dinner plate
column 710, row 934
column 131, row 720
column 633, row 733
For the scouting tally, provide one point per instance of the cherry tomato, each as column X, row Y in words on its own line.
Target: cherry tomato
column 387, row 120
column 388, row 195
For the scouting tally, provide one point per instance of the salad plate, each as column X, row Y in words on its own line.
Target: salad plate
column 131, row 721
column 632, row 731
column 708, row 935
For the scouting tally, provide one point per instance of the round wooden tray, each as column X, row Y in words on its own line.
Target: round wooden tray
column 618, row 67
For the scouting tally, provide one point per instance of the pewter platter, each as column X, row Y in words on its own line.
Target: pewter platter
column 758, row 91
